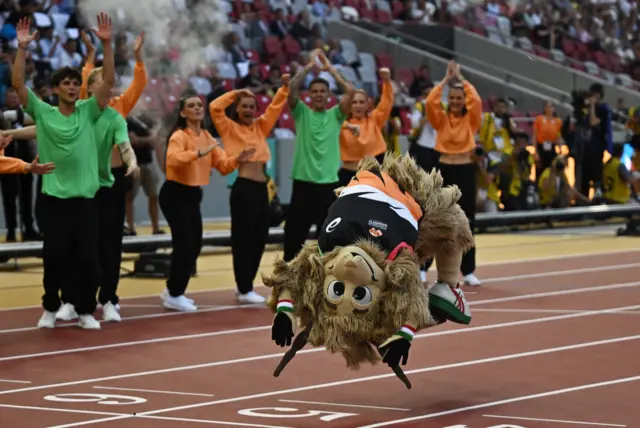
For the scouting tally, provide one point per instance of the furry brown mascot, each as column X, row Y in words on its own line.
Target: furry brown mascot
column 357, row 291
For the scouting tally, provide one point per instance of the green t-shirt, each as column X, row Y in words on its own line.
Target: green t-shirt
column 111, row 129
column 317, row 151
column 69, row 142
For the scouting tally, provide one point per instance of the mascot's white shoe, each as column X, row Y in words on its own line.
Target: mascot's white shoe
column 449, row 303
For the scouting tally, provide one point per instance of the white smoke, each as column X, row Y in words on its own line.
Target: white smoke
column 195, row 31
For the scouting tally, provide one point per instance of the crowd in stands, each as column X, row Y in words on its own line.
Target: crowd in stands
column 268, row 38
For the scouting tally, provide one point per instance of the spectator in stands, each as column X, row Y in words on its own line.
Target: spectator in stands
column 301, row 29
column 495, row 134
column 274, row 81
column 456, row 128
column 423, row 12
column 67, row 55
column 249, row 198
column 16, row 186
column 515, row 170
column 618, row 182
column 420, row 81
column 253, row 81
column 69, row 249
column 279, row 26
column 546, row 137
column 488, row 196
column 317, row 153
column 361, row 133
column 334, row 53
column 233, row 46
column 143, row 134
column 555, row 190
column 191, row 154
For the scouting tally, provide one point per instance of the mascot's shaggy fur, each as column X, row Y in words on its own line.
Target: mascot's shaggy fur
column 311, row 289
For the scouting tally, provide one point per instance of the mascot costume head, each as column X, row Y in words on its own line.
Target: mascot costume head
column 358, row 291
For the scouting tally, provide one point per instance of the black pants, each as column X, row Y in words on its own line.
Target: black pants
column 546, row 159
column 590, row 173
column 309, row 205
column 180, row 205
column 463, row 176
column 39, row 207
column 111, row 211
column 425, row 157
column 18, row 187
column 345, row 175
column 70, row 253
column 249, row 205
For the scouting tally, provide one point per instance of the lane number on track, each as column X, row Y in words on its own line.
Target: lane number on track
column 105, row 399
column 492, row 426
column 290, row 412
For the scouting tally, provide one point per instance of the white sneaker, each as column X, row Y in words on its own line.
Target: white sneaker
column 110, row 313
column 179, row 303
column 166, row 294
column 251, row 297
column 472, row 280
column 88, row 322
column 67, row 312
column 47, row 320
column 449, row 303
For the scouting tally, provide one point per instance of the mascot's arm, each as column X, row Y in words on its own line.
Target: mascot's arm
column 396, row 348
column 284, row 323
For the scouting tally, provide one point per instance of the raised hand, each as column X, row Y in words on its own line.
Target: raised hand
column 137, row 47
column 23, row 32
column 5, row 140
column 385, row 74
column 41, row 168
column 286, row 78
column 103, row 31
column 245, row 155
column 245, row 92
column 326, row 64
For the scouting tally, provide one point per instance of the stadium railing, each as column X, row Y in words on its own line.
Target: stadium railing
column 222, row 238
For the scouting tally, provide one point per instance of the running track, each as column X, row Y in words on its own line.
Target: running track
column 552, row 343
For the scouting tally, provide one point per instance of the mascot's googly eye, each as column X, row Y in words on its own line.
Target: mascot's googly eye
column 335, row 291
column 362, row 296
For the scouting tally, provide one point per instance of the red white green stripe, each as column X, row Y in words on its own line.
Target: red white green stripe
column 407, row 332
column 284, row 306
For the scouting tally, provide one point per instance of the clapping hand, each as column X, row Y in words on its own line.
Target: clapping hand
column 24, row 34
column 41, row 168
column 245, row 155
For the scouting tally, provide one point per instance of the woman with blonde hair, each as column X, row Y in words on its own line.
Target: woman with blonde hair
column 456, row 127
column 249, row 199
column 361, row 133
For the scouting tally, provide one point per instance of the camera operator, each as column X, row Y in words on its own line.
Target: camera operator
column 496, row 132
column 554, row 187
column 488, row 196
column 518, row 192
column 592, row 136
column 618, row 182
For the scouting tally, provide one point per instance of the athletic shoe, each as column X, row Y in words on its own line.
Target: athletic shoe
column 110, row 313
column 251, row 297
column 88, row 322
column 446, row 302
column 166, row 294
column 472, row 280
column 179, row 303
column 47, row 320
column 67, row 312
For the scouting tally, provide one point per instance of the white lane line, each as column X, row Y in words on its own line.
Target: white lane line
column 408, row 372
column 560, row 421
column 15, row 381
column 506, row 401
column 360, row 406
column 153, row 391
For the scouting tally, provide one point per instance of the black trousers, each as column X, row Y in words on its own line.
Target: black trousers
column 309, row 205
column 180, row 205
column 546, row 159
column 425, row 157
column 345, row 175
column 591, row 172
column 70, row 253
column 111, row 210
column 249, row 205
column 464, row 177
column 18, row 187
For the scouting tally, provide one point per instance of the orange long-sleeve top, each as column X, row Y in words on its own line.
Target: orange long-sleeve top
column 183, row 164
column 370, row 141
column 237, row 137
column 455, row 134
column 9, row 165
column 124, row 103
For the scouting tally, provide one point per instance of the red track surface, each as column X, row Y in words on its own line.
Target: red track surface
column 539, row 353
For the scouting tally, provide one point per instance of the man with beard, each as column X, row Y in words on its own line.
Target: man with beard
column 66, row 136
column 317, row 153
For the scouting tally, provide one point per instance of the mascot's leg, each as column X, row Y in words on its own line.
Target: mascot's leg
column 446, row 299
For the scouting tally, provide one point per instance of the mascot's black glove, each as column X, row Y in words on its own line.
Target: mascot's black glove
column 283, row 328
column 396, row 348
